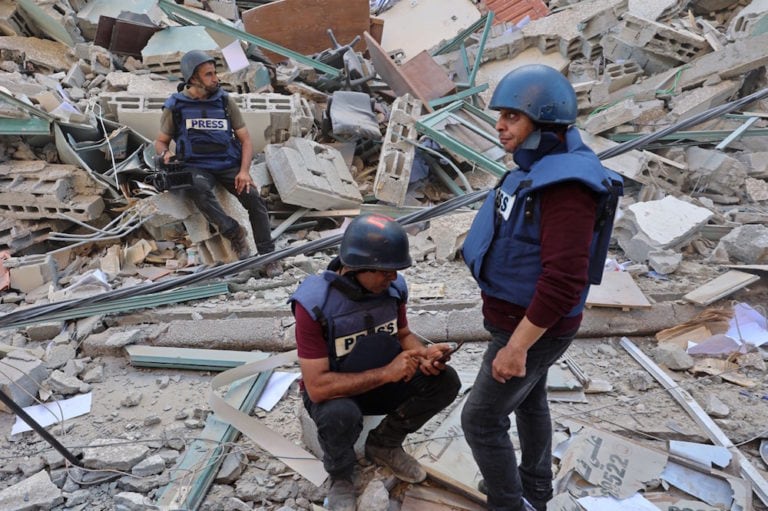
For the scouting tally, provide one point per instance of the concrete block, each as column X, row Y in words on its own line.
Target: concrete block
column 757, row 189
column 397, row 152
column 36, row 492
column 689, row 103
column 102, row 454
column 664, row 261
column 662, row 224
column 29, row 276
column 714, row 171
column 312, row 175
column 613, row 116
column 448, row 232
column 621, row 74
column 747, row 244
column 43, row 331
column 661, row 39
column 270, row 118
column 309, row 432
column 21, row 377
column 749, row 20
column 75, row 76
column 655, row 9
column 617, row 49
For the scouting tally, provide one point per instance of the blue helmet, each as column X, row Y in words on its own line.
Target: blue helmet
column 540, row 92
column 375, row 242
column 191, row 60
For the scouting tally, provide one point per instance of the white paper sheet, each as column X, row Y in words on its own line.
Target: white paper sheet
column 51, row 413
column 276, row 386
column 748, row 324
column 634, row 503
column 235, row 56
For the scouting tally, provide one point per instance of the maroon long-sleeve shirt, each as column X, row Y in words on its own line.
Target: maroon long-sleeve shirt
column 568, row 212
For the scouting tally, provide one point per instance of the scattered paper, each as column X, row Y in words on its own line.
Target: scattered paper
column 235, row 56
column 276, row 387
column 634, row 503
column 51, row 413
column 748, row 325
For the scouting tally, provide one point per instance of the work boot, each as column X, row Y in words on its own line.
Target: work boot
column 404, row 466
column 341, row 496
column 239, row 242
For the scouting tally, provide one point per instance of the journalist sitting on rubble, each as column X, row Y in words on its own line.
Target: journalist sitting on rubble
column 213, row 146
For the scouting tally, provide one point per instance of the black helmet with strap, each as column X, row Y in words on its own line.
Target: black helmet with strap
column 375, row 242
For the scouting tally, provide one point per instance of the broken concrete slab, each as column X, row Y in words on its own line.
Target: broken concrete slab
column 114, row 454
column 614, row 115
column 661, row 224
column 448, row 233
column 311, row 175
column 689, row 103
column 36, row 492
column 43, row 54
column 20, row 378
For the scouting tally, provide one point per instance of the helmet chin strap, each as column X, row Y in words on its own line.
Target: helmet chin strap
column 532, row 141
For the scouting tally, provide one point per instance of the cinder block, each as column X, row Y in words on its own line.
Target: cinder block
column 312, row 175
column 397, row 152
column 621, row 74
column 27, row 277
column 661, row 39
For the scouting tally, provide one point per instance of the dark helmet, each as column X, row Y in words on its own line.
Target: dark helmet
column 375, row 242
column 191, row 60
column 540, row 92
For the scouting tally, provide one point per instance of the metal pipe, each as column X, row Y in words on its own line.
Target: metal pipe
column 10, row 403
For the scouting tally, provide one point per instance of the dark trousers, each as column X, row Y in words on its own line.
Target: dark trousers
column 201, row 193
column 408, row 406
column 485, row 421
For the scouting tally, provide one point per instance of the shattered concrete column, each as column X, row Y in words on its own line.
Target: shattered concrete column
column 397, row 152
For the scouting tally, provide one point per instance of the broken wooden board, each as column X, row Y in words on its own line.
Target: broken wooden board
column 400, row 83
column 722, row 286
column 301, row 25
column 725, row 369
column 423, row 498
column 683, row 336
column 618, row 289
column 428, row 76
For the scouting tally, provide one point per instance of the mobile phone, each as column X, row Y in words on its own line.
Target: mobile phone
column 447, row 355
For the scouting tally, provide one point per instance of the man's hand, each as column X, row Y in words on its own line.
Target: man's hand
column 404, row 366
column 243, row 181
column 433, row 362
column 509, row 363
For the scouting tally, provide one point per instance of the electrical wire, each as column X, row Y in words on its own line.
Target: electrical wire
column 39, row 312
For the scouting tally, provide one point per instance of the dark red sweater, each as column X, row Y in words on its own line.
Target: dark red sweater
column 567, row 220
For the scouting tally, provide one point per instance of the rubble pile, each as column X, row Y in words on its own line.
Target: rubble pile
column 344, row 121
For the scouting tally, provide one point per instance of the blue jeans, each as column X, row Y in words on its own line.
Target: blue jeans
column 201, row 193
column 408, row 405
column 485, row 421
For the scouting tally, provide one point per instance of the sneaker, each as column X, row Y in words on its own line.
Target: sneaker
column 239, row 242
column 273, row 269
column 404, row 466
column 341, row 496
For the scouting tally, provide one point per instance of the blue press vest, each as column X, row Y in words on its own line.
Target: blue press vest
column 504, row 255
column 204, row 136
column 364, row 321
